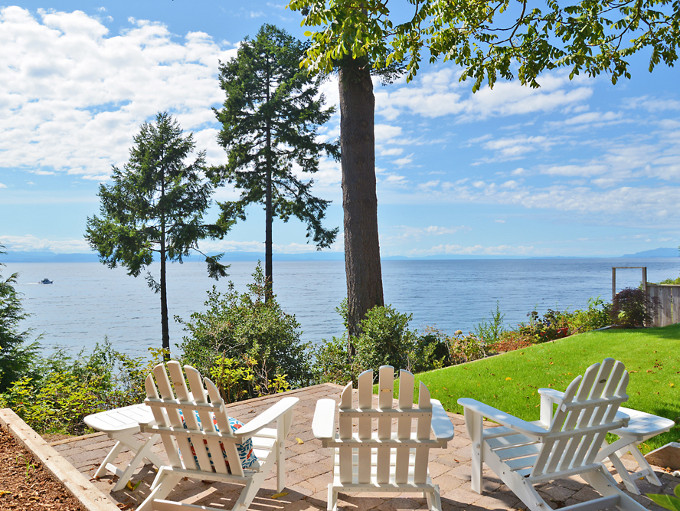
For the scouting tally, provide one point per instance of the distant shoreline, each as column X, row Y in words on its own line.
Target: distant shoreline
column 51, row 257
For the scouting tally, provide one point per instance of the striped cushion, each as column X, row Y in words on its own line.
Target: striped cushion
column 245, row 449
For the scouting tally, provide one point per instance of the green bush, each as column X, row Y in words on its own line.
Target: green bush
column 61, row 390
column 430, row 351
column 671, row 281
column 333, row 362
column 385, row 340
column 632, row 308
column 254, row 333
column 594, row 317
column 465, row 348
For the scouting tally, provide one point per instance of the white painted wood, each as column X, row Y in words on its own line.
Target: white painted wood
column 524, row 454
column 376, row 449
column 167, row 396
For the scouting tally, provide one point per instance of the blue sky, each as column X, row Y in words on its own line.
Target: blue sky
column 575, row 168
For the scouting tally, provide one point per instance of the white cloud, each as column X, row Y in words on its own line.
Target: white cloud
column 439, row 93
column 511, row 148
column 3, row 185
column 74, row 94
column 29, row 243
column 473, row 250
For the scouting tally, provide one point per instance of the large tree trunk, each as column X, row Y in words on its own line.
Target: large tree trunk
column 359, row 200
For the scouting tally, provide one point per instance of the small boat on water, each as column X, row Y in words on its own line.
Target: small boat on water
column 46, row 281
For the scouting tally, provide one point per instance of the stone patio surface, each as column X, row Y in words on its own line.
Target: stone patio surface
column 308, row 468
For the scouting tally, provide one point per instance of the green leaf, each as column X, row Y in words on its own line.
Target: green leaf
column 666, row 501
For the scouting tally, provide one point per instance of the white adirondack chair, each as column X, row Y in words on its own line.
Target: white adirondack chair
column 206, row 460
column 374, row 457
column 524, row 454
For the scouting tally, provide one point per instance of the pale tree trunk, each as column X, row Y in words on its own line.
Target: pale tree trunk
column 359, row 200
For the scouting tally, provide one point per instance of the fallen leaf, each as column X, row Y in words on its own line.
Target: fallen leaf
column 508, row 378
column 299, row 440
column 130, row 487
column 5, row 492
column 279, row 495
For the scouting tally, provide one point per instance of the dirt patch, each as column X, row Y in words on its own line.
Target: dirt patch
column 26, row 484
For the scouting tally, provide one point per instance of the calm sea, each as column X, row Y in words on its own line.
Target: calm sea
column 88, row 301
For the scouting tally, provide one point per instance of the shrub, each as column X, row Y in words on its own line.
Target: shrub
column 333, row 362
column 430, row 351
column 251, row 332
column 671, row 281
column 552, row 325
column 594, row 317
column 385, row 340
column 63, row 390
column 465, row 348
column 632, row 308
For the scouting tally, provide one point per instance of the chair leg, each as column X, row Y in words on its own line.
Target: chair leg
column 434, row 501
column 626, row 478
column 473, row 423
column 110, row 458
column 161, row 487
column 142, row 453
column 332, row 504
column 646, row 468
column 604, row 483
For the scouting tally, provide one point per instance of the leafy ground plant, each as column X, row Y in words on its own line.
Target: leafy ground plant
column 667, row 501
column 245, row 336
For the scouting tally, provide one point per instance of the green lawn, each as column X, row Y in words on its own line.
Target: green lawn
column 510, row 381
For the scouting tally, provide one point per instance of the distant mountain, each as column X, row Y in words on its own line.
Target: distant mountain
column 51, row 257
column 657, row 252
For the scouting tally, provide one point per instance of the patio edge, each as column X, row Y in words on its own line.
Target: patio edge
column 89, row 496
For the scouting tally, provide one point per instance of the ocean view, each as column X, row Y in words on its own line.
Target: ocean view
column 88, row 301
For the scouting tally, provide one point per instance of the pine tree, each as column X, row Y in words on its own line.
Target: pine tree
column 155, row 207
column 270, row 120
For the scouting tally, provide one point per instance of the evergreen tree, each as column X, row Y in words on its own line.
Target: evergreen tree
column 270, row 119
column 155, row 206
column 15, row 355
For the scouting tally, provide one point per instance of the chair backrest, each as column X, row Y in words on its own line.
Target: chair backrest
column 176, row 406
column 374, row 442
column 586, row 413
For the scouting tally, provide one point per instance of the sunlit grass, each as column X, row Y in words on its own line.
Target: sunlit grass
column 510, row 381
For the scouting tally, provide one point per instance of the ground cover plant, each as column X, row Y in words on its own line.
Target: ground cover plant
column 511, row 381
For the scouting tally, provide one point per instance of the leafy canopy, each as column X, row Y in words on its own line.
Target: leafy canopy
column 489, row 39
column 270, row 120
column 156, row 203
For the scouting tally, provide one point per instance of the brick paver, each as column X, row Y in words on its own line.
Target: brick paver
column 308, row 468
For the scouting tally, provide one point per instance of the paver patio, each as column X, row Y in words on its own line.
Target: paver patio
column 308, row 468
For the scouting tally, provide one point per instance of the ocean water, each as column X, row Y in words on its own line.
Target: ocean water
column 88, row 301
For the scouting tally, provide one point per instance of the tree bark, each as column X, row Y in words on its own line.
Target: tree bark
column 165, row 330
column 359, row 199
column 269, row 217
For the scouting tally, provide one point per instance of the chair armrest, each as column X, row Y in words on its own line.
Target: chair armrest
column 271, row 414
column 499, row 416
column 441, row 424
column 323, row 424
column 553, row 394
